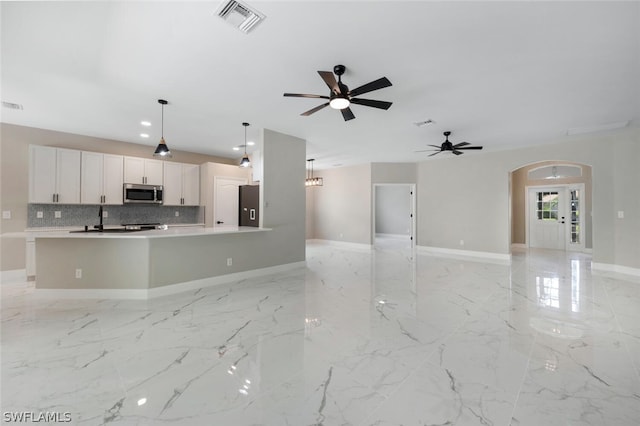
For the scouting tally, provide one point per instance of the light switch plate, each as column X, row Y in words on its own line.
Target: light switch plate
column 57, row 214
column 620, row 214
column 39, row 215
column 6, row 214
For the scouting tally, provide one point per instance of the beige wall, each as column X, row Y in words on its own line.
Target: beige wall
column 474, row 204
column 343, row 205
column 14, row 176
column 342, row 209
column 520, row 180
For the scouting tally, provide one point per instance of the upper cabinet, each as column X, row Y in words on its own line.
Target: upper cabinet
column 102, row 178
column 54, row 175
column 143, row 170
column 181, row 184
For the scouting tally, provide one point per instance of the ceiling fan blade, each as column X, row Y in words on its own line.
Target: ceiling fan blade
column 347, row 114
column 316, row 109
column 437, row 152
column 471, row 147
column 328, row 78
column 371, row 103
column 436, row 146
column 370, row 87
column 456, row 152
column 303, row 95
column 458, row 145
column 426, row 150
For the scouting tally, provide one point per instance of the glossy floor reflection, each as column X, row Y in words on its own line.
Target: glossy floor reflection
column 359, row 337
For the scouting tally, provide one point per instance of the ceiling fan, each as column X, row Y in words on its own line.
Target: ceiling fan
column 448, row 146
column 340, row 97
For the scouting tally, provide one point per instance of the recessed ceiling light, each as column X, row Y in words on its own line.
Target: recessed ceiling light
column 144, row 135
column 145, row 123
column 251, row 143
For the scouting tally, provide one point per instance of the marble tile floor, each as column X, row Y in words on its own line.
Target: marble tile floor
column 358, row 337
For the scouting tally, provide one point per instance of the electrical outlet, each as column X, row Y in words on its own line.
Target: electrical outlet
column 620, row 214
column 105, row 214
column 461, row 242
column 78, row 273
column 6, row 214
column 229, row 261
column 177, row 214
column 39, row 215
column 341, row 235
column 57, row 214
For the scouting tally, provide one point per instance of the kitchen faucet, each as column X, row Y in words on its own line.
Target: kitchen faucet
column 101, row 226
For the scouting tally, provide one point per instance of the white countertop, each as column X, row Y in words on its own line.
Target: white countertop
column 182, row 231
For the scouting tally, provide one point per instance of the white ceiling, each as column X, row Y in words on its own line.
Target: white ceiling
column 498, row 74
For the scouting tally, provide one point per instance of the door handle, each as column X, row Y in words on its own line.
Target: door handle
column 219, row 222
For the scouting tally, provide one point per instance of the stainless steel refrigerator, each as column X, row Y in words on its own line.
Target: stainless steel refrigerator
column 249, row 205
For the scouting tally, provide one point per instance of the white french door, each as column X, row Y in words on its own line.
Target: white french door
column 555, row 217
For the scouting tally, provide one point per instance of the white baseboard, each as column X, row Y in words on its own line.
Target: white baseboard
column 519, row 246
column 484, row 255
column 398, row 236
column 608, row 267
column 13, row 276
column 341, row 244
column 143, row 294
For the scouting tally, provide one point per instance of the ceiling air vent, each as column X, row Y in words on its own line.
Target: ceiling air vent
column 11, row 105
column 240, row 15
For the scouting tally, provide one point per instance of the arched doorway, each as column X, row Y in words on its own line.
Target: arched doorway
column 551, row 206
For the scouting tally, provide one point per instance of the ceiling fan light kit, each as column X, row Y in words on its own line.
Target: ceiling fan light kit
column 341, row 98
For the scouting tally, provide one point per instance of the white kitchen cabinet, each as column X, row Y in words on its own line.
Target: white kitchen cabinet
column 54, row 175
column 143, row 170
column 102, row 178
column 181, row 184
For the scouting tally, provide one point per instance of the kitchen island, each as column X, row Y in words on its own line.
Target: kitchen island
column 148, row 263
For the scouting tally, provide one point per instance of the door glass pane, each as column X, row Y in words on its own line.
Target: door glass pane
column 547, row 205
column 575, row 216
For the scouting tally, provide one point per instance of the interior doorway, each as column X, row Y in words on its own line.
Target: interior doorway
column 226, row 200
column 394, row 215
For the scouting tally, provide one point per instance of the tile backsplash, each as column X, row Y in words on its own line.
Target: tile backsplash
column 81, row 214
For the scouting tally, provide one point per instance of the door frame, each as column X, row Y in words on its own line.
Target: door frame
column 240, row 180
column 568, row 246
column 412, row 210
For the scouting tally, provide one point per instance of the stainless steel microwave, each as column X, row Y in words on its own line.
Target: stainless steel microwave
column 136, row 193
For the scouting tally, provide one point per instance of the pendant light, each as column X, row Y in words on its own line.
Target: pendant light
column 245, row 162
column 162, row 150
column 311, row 180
